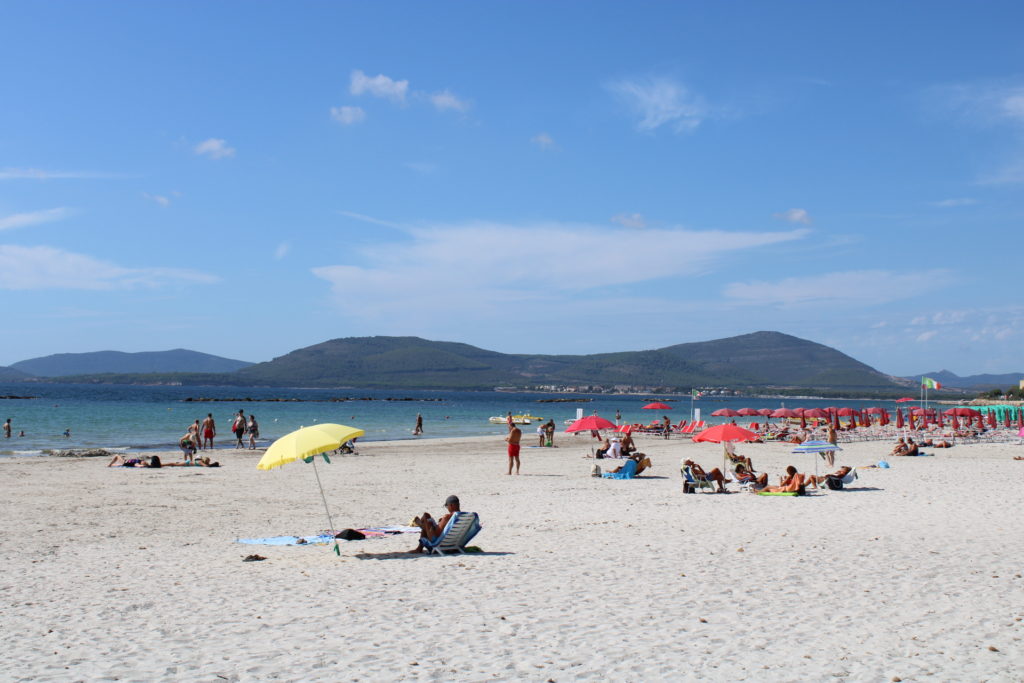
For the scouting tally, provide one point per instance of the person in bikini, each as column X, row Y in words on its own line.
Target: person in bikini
column 793, row 482
column 254, row 431
column 746, row 476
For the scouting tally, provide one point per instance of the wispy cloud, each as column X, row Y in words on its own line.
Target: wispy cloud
column 282, row 250
column 850, row 288
column 157, row 199
column 468, row 266
column 630, row 220
column 22, row 220
column 543, row 140
column 925, row 336
column 661, row 101
column 41, row 174
column 794, row 216
column 371, row 220
column 346, row 116
column 41, row 267
column 960, row 201
column 214, row 148
column 989, row 104
column 378, row 86
column 446, row 100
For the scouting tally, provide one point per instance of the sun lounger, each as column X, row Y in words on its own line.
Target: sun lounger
column 694, row 426
column 691, row 482
column 459, row 531
column 628, row 471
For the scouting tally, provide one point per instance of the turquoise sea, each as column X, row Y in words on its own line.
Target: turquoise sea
column 139, row 418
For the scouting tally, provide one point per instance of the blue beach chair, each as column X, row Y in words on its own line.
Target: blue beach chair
column 459, row 531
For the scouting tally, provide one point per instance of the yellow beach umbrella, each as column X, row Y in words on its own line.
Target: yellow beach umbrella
column 304, row 444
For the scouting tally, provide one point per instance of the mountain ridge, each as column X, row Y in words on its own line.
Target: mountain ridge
column 99, row 362
column 982, row 381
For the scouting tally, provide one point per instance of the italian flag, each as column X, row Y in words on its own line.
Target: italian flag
column 929, row 383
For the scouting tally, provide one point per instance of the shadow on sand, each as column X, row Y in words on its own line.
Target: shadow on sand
column 413, row 556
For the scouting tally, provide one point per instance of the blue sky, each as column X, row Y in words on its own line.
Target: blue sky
column 247, row 178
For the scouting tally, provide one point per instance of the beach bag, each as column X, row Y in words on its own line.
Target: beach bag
column 834, row 483
column 351, row 535
column 595, row 471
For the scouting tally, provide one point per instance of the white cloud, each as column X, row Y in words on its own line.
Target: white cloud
column 660, row 101
column 378, row 86
column 447, row 100
column 21, row 220
column 630, row 220
column 925, row 336
column 543, row 140
column 282, row 250
column 850, row 288
column 158, row 199
column 214, row 148
column 960, row 201
column 794, row 216
column 39, row 174
column 471, row 269
column 27, row 268
column 346, row 116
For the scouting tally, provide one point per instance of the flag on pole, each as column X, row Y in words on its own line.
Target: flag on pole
column 695, row 394
column 929, row 383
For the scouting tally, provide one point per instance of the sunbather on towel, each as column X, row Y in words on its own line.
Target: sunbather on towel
column 941, row 443
column 431, row 529
column 198, row 462
column 793, row 482
column 714, row 475
column 641, row 460
column 745, row 476
column 838, row 474
column 121, row 461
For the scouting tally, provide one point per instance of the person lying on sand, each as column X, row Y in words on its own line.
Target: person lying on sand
column 714, row 475
column 121, row 461
column 198, row 462
column 838, row 474
column 793, row 482
column 641, row 460
column 941, row 443
column 431, row 529
column 745, row 476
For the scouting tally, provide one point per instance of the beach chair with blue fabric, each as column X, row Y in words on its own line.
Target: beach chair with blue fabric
column 691, row 482
column 628, row 471
column 459, row 531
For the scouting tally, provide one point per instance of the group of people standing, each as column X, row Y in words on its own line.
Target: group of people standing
column 200, row 435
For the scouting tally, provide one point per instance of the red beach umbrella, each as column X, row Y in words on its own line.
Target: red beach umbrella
column 954, row 422
column 785, row 412
column 835, row 420
column 981, row 422
column 899, row 419
column 905, row 399
column 910, row 419
column 765, row 412
column 589, row 423
column 873, row 411
column 992, row 419
column 657, row 406
column 725, row 412
column 846, row 412
column 963, row 412
column 1006, row 419
column 748, row 412
column 938, row 419
column 884, row 418
column 803, row 420
column 815, row 412
column 1020, row 418
column 721, row 433
column 853, row 421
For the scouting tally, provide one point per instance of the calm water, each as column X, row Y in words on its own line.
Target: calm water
column 155, row 417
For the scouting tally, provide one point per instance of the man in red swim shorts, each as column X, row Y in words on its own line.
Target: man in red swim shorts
column 514, row 435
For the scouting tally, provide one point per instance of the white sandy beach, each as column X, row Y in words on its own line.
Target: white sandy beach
column 126, row 574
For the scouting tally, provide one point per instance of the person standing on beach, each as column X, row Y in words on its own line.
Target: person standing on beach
column 419, row 425
column 7, row 429
column 509, row 421
column 540, row 435
column 549, row 430
column 618, row 418
column 254, row 432
column 209, row 431
column 238, row 427
column 195, row 431
column 513, row 447
column 666, row 425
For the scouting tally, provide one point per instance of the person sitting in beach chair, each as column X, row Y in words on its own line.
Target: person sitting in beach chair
column 735, row 458
column 839, row 475
column 641, row 460
column 793, row 482
column 745, row 476
column 714, row 475
column 430, row 528
column 602, row 452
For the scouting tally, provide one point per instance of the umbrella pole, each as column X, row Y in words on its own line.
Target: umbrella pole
column 326, row 509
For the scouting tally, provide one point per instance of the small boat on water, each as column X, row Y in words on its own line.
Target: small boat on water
column 517, row 419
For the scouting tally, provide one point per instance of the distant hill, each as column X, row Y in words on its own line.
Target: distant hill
column 99, row 362
column 948, row 379
column 11, row 375
column 759, row 359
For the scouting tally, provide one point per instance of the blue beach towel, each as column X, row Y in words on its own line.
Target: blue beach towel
column 628, row 472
